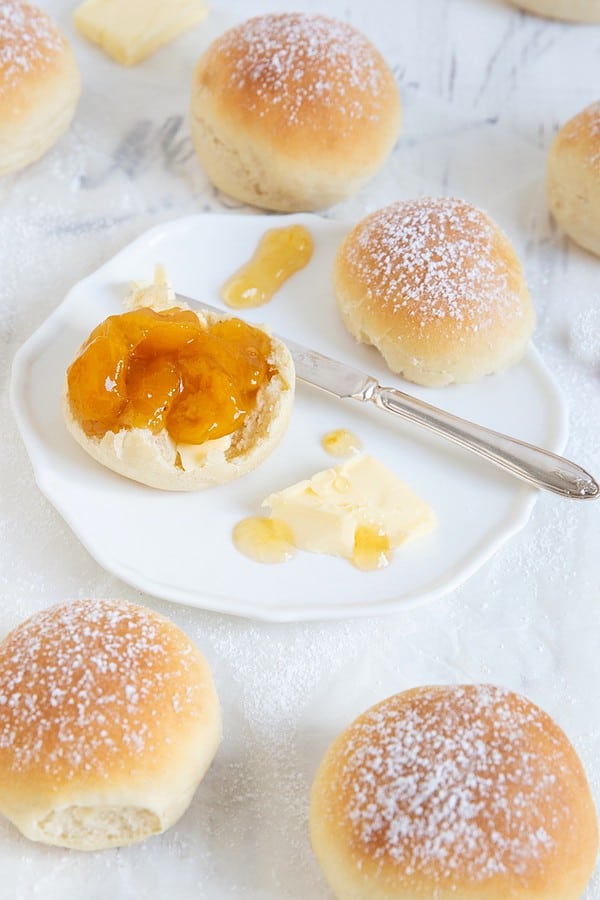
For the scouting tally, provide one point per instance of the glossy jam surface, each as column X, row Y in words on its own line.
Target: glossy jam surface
column 340, row 443
column 165, row 370
column 372, row 549
column 264, row 540
column 280, row 253
column 269, row 540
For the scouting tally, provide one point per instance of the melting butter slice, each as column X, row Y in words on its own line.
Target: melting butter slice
column 130, row 30
column 359, row 510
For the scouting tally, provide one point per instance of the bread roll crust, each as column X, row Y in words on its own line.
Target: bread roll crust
column 573, row 178
column 108, row 720
column 454, row 792
column 293, row 111
column 158, row 461
column 436, row 286
column 567, row 10
column 39, row 85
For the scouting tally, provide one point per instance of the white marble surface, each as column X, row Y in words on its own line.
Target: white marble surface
column 484, row 89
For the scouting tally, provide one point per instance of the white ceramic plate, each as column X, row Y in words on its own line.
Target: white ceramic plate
column 178, row 546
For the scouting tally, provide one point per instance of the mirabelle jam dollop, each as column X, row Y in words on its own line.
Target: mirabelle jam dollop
column 165, row 370
column 280, row 253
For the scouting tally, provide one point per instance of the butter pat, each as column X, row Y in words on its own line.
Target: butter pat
column 130, row 30
column 326, row 512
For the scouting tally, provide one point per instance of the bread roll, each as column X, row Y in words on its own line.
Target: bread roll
column 569, row 10
column 293, row 111
column 160, row 462
column 455, row 792
column 109, row 719
column 39, row 84
column 437, row 288
column 573, row 178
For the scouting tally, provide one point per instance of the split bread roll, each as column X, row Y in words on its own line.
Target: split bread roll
column 453, row 792
column 293, row 111
column 573, row 178
column 568, row 10
column 160, row 461
column 437, row 288
column 109, row 719
column 39, row 85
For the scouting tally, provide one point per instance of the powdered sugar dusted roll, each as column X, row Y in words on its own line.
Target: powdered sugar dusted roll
column 573, row 178
column 293, row 111
column 39, row 84
column 436, row 286
column 108, row 721
column 454, row 792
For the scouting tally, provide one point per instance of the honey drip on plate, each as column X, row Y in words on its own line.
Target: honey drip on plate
column 166, row 370
column 280, row 253
column 340, row 443
column 264, row 540
column 371, row 549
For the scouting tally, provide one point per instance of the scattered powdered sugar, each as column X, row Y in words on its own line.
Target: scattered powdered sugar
column 584, row 336
column 80, row 682
column 456, row 782
column 293, row 61
column 28, row 38
column 433, row 258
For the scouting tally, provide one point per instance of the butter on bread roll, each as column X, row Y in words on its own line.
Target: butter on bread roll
column 109, row 719
column 573, row 178
column 293, row 111
column 39, row 84
column 154, row 456
column 454, row 792
column 568, row 10
column 437, row 288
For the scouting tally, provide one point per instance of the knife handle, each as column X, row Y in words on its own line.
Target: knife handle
column 532, row 464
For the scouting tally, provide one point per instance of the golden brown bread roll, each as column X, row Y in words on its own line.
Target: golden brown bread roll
column 437, row 288
column 568, row 10
column 158, row 459
column 293, row 111
column 39, row 84
column 573, row 178
column 454, row 792
column 109, row 719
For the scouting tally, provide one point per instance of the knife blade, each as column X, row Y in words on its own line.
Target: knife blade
column 532, row 464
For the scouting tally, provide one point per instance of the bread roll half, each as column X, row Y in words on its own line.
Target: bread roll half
column 160, row 462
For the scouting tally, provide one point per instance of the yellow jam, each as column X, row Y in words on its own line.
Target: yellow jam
column 264, row 540
column 165, row 370
column 371, row 549
column 280, row 253
column 340, row 443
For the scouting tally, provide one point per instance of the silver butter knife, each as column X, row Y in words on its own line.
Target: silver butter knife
column 532, row 464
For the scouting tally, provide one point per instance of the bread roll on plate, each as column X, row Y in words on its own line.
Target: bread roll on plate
column 568, row 10
column 176, row 399
column 437, row 288
column 39, row 84
column 573, row 178
column 454, row 793
column 292, row 111
column 109, row 719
